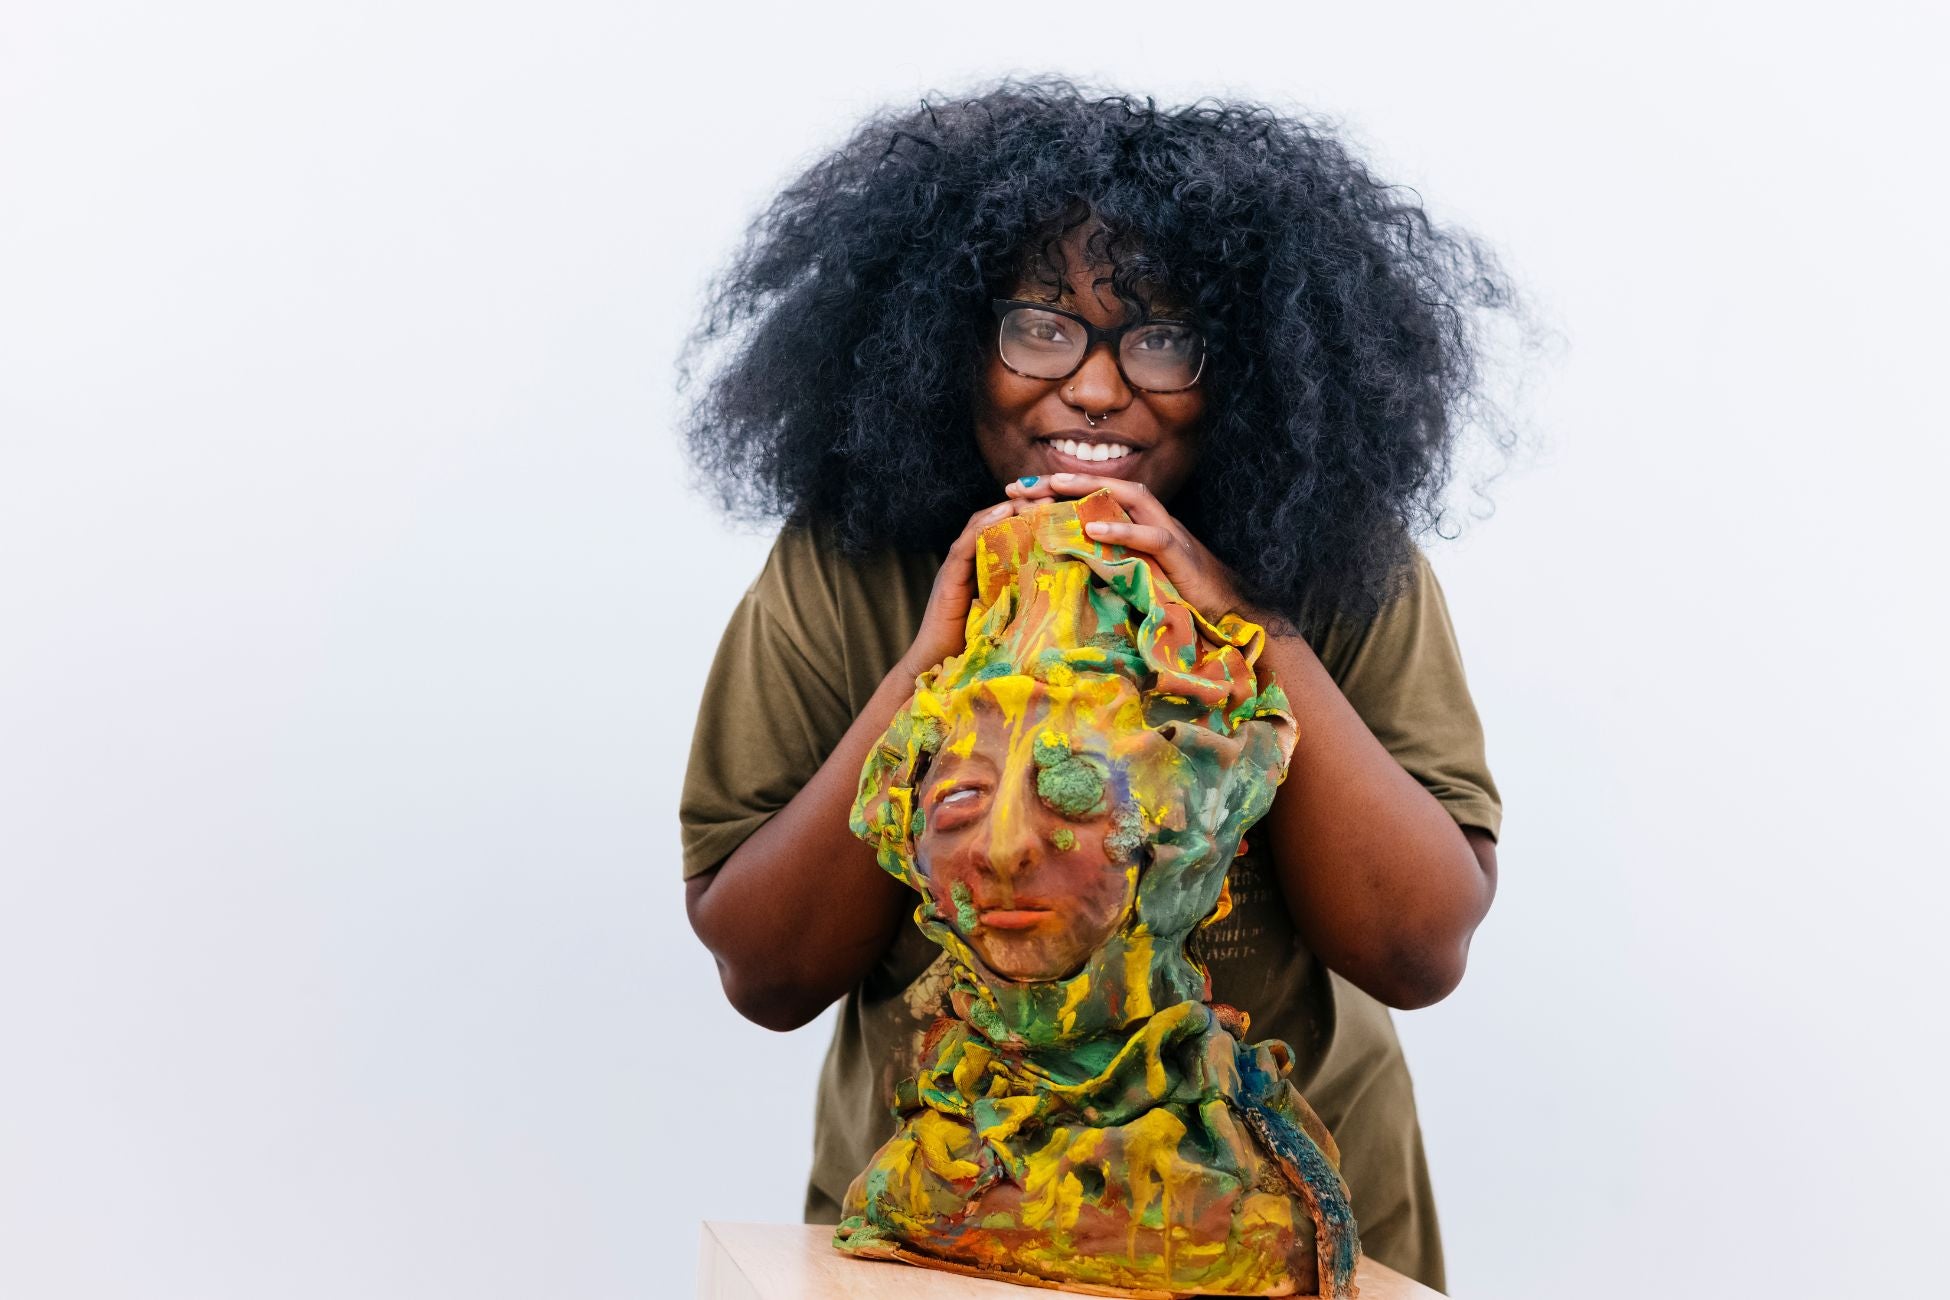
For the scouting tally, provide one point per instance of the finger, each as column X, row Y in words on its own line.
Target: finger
column 1031, row 487
column 980, row 521
column 1151, row 539
column 1136, row 498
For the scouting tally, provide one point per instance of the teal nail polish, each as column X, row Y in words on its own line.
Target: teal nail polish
column 1029, row 480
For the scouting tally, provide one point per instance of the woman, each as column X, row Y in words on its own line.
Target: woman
column 1219, row 317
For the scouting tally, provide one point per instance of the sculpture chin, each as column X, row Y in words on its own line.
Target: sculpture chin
column 1043, row 950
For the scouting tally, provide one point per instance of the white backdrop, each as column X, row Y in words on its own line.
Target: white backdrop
column 355, row 610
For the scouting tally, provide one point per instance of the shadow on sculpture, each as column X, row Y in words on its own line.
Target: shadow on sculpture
column 1066, row 796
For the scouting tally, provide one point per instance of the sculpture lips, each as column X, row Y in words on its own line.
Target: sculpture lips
column 1021, row 918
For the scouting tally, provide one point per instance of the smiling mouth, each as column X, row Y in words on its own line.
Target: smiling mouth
column 1019, row 918
column 1099, row 455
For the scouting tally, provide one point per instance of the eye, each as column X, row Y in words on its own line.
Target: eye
column 1163, row 338
column 958, row 806
column 1025, row 327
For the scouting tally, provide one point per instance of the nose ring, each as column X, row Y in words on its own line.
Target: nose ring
column 1089, row 419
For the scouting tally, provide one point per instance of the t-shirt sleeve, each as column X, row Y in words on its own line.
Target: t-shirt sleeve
column 1403, row 673
column 770, row 714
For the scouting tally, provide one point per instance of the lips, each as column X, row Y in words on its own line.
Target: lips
column 1068, row 451
column 1016, row 918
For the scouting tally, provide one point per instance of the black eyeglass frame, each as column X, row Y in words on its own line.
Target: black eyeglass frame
column 1093, row 335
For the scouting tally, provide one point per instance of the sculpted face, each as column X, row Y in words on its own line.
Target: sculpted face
column 1066, row 795
column 1020, row 847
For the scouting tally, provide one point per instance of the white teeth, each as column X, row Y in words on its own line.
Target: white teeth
column 1090, row 450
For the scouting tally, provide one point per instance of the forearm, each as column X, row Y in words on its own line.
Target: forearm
column 799, row 913
column 1383, row 885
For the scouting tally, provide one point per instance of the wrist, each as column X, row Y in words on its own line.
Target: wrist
column 1277, row 626
column 922, row 657
column 901, row 676
column 1272, row 624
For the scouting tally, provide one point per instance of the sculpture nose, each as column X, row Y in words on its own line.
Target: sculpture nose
column 1014, row 847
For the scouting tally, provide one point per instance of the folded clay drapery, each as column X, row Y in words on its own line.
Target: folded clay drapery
column 1066, row 796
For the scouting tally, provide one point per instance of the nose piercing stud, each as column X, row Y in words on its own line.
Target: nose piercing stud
column 1070, row 393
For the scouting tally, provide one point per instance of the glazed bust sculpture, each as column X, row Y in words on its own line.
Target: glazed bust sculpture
column 1066, row 796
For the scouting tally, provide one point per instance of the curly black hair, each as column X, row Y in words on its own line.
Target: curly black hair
column 1343, row 328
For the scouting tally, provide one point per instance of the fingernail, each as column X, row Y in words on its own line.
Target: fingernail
column 1029, row 480
column 999, row 511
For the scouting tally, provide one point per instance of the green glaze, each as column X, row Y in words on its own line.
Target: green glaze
column 1067, row 781
column 965, row 915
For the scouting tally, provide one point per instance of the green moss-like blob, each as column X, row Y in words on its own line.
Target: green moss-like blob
column 1063, row 839
column 987, row 1022
column 1067, row 782
column 965, row 914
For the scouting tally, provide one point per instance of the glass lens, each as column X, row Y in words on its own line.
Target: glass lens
column 1041, row 344
column 1162, row 355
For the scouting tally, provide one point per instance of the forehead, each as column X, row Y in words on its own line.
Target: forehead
column 1075, row 269
column 990, row 719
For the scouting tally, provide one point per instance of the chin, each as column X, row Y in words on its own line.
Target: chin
column 1025, row 967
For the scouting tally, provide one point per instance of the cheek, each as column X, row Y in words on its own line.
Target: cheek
column 928, row 857
column 1003, row 395
column 1178, row 445
column 1001, row 408
column 941, row 868
column 1099, row 886
column 1179, row 414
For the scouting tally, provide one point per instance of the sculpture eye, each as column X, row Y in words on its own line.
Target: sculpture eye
column 957, row 806
column 1072, row 785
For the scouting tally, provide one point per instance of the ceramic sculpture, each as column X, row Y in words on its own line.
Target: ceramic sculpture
column 1066, row 796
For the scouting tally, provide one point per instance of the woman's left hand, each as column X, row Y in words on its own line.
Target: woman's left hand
column 1201, row 578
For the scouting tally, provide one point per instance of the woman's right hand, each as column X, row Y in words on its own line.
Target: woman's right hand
column 944, row 624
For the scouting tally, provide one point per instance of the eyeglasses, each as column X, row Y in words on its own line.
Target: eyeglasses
column 1041, row 342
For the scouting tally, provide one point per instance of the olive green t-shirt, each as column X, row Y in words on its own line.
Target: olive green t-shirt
column 807, row 647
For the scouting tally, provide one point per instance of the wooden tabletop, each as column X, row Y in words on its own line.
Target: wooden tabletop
column 796, row 1261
